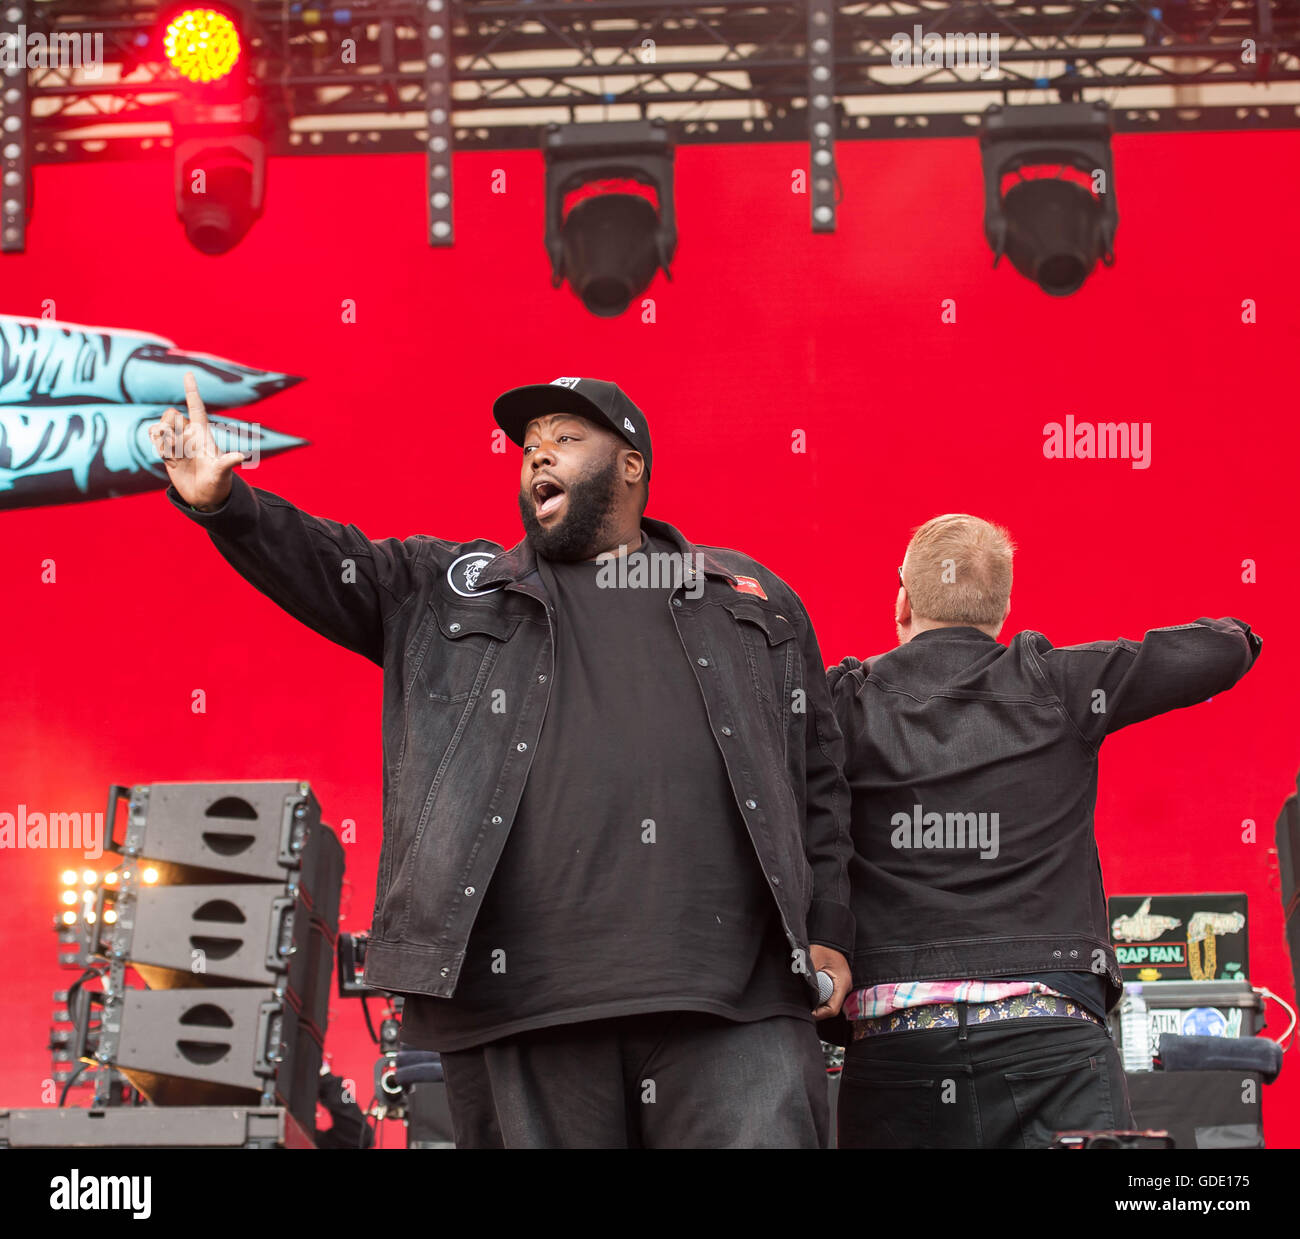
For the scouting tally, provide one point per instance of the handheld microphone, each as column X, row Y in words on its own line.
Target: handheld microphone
column 825, row 987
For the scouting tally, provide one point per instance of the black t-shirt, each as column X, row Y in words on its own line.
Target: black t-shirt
column 1086, row 988
column 628, row 882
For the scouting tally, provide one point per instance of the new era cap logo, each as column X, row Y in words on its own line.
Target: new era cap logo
column 627, row 425
column 569, row 383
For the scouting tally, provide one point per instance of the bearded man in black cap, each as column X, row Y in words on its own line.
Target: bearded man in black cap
column 615, row 824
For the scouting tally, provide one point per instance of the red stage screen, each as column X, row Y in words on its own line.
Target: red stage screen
column 812, row 398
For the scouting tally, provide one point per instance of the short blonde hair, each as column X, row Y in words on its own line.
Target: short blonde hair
column 958, row 570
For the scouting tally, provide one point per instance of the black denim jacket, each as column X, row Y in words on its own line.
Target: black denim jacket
column 463, row 632
column 955, row 725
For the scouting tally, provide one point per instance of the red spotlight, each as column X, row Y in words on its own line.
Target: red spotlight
column 202, row 44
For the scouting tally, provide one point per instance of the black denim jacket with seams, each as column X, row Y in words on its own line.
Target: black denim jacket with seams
column 463, row 632
column 973, row 772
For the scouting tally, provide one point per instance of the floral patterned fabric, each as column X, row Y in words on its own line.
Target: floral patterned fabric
column 946, row 1014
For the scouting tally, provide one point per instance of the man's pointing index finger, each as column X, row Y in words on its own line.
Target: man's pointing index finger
column 193, row 401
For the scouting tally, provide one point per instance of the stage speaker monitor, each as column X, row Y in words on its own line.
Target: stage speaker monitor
column 256, row 831
column 215, row 1047
column 185, row 937
column 1200, row 1109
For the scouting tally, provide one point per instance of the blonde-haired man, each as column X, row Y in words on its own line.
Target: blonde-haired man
column 982, row 964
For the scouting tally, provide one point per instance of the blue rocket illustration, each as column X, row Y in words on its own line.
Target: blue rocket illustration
column 76, row 404
column 45, row 362
column 66, row 453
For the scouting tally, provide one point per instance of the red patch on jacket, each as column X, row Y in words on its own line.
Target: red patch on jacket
column 747, row 585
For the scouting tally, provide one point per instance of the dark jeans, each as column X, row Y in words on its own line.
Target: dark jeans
column 1005, row 1085
column 672, row 1079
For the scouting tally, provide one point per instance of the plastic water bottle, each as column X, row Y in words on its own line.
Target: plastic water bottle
column 1135, row 1036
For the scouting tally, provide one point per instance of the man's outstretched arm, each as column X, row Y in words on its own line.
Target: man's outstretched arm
column 329, row 576
column 1111, row 684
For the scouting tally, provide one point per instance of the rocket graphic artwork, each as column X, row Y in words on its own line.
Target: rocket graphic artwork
column 76, row 404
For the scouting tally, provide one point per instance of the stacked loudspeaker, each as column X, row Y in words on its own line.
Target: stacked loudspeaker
column 227, row 906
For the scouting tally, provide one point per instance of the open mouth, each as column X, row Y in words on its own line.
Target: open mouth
column 548, row 496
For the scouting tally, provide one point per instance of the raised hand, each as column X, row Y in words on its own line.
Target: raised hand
column 202, row 475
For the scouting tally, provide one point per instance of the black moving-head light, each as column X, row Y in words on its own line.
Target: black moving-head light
column 610, row 243
column 1054, row 228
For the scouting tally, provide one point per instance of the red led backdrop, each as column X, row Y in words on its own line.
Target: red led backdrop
column 765, row 331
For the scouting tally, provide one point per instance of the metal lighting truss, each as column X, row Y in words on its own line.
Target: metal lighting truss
column 364, row 76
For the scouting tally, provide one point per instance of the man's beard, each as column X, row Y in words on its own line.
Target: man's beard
column 577, row 535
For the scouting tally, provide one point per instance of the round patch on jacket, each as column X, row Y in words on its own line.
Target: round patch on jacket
column 464, row 573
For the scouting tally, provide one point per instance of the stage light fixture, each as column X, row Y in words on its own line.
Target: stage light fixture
column 202, row 44
column 69, row 918
column 218, row 129
column 69, row 877
column 69, row 897
column 150, row 875
column 15, row 129
column 220, row 187
column 1053, row 227
column 89, row 877
column 439, row 136
column 606, row 241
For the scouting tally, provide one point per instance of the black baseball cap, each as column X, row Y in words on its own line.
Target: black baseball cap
column 601, row 402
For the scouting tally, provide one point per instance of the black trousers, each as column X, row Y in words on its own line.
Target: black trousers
column 673, row 1079
column 1005, row 1085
